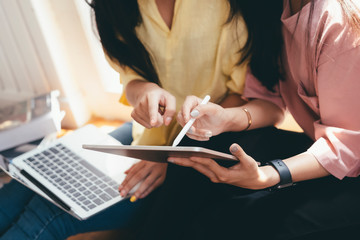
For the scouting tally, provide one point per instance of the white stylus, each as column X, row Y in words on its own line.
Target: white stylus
column 188, row 124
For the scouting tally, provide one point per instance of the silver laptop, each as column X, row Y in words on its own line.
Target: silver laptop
column 80, row 181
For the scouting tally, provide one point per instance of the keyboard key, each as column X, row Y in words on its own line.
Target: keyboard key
column 98, row 201
column 92, row 168
column 105, row 197
column 92, row 206
column 71, row 190
column 46, row 153
column 54, row 150
column 85, row 208
column 91, row 196
column 76, row 194
column 111, row 192
column 82, row 198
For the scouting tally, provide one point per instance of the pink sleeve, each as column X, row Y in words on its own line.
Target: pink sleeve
column 254, row 89
column 338, row 131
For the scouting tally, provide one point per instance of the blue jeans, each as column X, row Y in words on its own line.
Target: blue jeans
column 123, row 134
column 26, row 215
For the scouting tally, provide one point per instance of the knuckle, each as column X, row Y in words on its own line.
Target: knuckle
column 222, row 178
column 138, row 175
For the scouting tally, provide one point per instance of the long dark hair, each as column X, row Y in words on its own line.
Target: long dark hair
column 264, row 43
column 116, row 21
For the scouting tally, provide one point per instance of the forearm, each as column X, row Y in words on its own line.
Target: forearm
column 232, row 100
column 302, row 167
column 263, row 114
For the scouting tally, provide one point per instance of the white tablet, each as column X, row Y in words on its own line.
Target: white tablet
column 160, row 153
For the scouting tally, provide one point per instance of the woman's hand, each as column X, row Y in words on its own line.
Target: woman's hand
column 245, row 174
column 150, row 175
column 210, row 118
column 153, row 106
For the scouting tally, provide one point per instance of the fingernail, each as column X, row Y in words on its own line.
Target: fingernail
column 152, row 121
column 133, row 198
column 190, row 130
column 208, row 134
column 194, row 113
column 123, row 193
column 168, row 120
column 170, row 160
column 120, row 186
column 234, row 149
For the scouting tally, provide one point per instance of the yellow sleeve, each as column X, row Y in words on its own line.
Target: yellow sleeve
column 126, row 75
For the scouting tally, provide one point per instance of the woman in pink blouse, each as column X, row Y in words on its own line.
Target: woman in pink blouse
column 313, row 47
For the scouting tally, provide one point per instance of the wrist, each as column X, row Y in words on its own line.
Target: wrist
column 237, row 119
column 284, row 173
column 268, row 177
column 248, row 117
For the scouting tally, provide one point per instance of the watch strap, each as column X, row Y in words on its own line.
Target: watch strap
column 284, row 172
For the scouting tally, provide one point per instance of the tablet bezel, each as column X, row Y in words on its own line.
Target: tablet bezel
column 160, row 153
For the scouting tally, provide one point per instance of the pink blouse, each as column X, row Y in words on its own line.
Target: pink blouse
column 322, row 84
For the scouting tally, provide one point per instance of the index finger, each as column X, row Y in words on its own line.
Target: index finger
column 153, row 106
column 210, row 164
column 170, row 109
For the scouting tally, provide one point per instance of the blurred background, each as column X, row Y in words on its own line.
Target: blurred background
column 50, row 45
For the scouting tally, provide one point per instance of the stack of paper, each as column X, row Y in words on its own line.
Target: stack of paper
column 29, row 120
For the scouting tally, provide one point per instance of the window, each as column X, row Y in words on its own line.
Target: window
column 48, row 45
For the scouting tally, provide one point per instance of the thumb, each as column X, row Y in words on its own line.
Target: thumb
column 201, row 110
column 239, row 153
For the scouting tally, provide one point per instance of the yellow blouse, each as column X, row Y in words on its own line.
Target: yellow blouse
column 197, row 56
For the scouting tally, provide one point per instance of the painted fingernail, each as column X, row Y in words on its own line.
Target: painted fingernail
column 234, row 149
column 133, row 198
column 168, row 120
column 194, row 113
column 123, row 193
column 152, row 121
column 208, row 134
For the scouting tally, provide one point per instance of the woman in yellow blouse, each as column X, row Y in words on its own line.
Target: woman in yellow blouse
column 164, row 51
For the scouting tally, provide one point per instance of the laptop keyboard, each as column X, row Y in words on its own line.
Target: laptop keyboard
column 75, row 177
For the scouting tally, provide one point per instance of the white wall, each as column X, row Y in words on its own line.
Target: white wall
column 49, row 44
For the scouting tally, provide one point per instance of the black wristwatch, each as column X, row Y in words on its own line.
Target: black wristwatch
column 284, row 172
